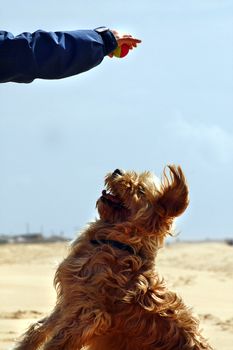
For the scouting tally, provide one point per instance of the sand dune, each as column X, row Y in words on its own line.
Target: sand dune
column 201, row 272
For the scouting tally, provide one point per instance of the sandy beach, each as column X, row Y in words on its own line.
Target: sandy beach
column 201, row 272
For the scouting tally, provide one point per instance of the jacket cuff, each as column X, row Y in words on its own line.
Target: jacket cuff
column 108, row 38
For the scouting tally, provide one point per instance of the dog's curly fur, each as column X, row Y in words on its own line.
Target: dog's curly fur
column 110, row 296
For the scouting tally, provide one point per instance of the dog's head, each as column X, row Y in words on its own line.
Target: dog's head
column 143, row 200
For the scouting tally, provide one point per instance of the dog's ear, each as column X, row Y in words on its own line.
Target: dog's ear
column 174, row 193
column 171, row 201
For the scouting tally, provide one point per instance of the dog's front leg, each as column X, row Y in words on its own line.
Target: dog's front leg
column 78, row 332
column 64, row 341
column 38, row 332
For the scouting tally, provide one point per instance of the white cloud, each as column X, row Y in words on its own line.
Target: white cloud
column 212, row 142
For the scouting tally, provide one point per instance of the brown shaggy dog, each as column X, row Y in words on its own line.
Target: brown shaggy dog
column 110, row 296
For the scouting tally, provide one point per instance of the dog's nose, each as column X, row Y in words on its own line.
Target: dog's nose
column 117, row 172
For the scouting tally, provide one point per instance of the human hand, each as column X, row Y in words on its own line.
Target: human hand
column 125, row 39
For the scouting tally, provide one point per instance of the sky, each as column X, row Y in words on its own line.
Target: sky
column 168, row 102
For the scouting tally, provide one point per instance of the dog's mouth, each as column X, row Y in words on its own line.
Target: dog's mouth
column 111, row 199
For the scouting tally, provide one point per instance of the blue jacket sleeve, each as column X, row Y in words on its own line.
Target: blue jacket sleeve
column 51, row 55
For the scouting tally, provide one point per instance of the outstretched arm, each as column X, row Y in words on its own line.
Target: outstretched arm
column 51, row 55
column 55, row 55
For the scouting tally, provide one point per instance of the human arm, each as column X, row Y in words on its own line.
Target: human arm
column 52, row 55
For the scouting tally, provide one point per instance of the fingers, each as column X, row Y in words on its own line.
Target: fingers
column 131, row 42
column 125, row 39
column 129, row 38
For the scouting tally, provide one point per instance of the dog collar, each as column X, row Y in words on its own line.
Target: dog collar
column 114, row 244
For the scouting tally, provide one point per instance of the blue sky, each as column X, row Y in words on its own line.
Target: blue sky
column 169, row 101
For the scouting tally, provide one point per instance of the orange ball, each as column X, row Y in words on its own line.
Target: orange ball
column 121, row 51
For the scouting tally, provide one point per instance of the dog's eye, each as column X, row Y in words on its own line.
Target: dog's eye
column 141, row 190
